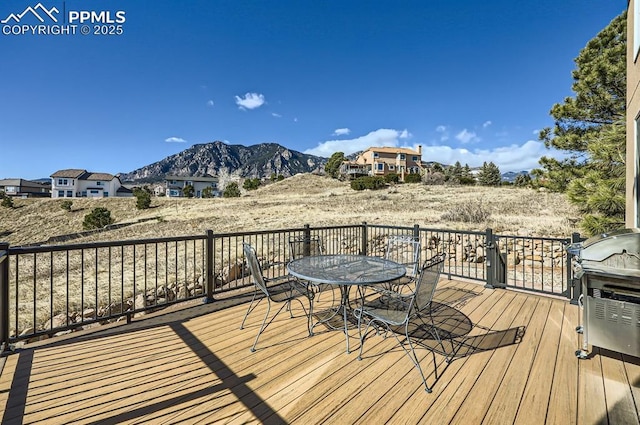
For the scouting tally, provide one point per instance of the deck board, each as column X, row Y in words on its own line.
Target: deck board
column 199, row 369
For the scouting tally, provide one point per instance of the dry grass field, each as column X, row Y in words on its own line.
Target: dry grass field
column 299, row 200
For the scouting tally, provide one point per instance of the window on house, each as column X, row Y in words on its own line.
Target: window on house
column 414, row 158
column 99, row 183
column 375, row 155
column 69, row 193
column 84, row 193
column 402, row 157
column 105, row 194
column 392, row 167
column 94, row 192
column 61, row 194
column 380, row 166
column 63, row 182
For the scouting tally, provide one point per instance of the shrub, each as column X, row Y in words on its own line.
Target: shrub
column 434, row 178
column 369, row 182
column 188, row 191
column 251, row 184
column 97, row 219
column 231, row 191
column 7, row 202
column 143, row 199
column 207, row 192
column 472, row 212
column 412, row 178
column 66, row 205
column 392, row 178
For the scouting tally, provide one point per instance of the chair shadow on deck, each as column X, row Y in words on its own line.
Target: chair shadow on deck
column 457, row 333
column 459, row 336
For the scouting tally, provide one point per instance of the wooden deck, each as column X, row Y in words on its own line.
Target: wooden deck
column 194, row 366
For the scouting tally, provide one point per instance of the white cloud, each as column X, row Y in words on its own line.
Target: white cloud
column 507, row 158
column 405, row 134
column 466, row 136
column 210, row 103
column 276, row 115
column 380, row 137
column 486, row 124
column 341, row 132
column 175, row 140
column 250, row 101
column 444, row 133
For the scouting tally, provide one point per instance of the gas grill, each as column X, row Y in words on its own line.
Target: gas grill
column 608, row 267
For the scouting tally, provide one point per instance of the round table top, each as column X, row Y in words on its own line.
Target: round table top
column 345, row 269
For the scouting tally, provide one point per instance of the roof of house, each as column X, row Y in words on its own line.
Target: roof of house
column 98, row 176
column 23, row 182
column 72, row 173
column 390, row 149
column 79, row 174
column 192, row 178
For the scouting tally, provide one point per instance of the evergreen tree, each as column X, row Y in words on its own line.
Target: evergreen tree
column 590, row 129
column 467, row 176
column 489, row 175
column 188, row 191
column 332, row 167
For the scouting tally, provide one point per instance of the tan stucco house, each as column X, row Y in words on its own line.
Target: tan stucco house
column 380, row 161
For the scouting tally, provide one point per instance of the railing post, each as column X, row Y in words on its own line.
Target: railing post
column 494, row 266
column 490, row 260
column 306, row 244
column 209, row 264
column 416, row 236
column 576, row 284
column 365, row 238
column 4, row 297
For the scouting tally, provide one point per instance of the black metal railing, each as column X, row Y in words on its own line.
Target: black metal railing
column 49, row 289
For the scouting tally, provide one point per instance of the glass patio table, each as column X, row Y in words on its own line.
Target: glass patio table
column 345, row 271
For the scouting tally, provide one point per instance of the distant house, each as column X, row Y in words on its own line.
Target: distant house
column 25, row 188
column 76, row 183
column 176, row 184
column 380, row 161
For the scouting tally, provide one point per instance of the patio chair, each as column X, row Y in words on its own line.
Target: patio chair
column 283, row 292
column 304, row 246
column 405, row 250
column 399, row 311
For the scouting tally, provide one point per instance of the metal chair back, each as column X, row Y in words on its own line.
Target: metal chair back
column 426, row 283
column 254, row 268
column 404, row 249
column 301, row 246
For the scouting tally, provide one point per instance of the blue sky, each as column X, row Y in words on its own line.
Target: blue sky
column 469, row 81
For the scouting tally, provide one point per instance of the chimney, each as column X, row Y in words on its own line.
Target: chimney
column 420, row 150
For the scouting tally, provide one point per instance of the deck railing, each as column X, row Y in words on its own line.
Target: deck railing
column 45, row 290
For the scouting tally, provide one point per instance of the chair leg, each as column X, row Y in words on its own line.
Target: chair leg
column 250, row 309
column 414, row 357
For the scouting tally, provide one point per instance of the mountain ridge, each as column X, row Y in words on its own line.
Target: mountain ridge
column 223, row 160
